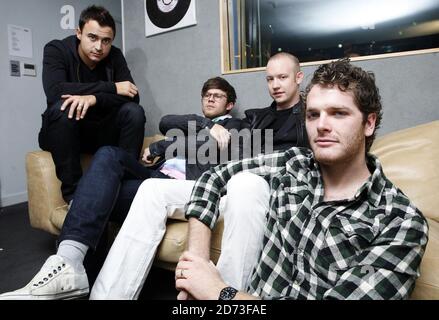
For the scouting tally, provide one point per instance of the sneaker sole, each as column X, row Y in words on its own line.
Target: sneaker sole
column 62, row 296
column 67, row 295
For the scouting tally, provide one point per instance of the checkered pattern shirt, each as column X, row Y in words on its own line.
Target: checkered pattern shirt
column 366, row 247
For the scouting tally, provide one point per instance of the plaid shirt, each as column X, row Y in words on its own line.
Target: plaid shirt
column 367, row 247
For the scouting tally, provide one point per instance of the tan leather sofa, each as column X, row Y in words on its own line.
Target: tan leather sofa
column 47, row 208
column 410, row 159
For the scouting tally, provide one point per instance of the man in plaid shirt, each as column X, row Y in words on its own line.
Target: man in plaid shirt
column 336, row 227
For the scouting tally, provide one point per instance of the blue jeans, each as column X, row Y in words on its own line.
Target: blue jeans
column 105, row 192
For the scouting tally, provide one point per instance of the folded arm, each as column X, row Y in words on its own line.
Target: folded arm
column 184, row 123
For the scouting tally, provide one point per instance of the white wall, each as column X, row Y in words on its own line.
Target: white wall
column 22, row 99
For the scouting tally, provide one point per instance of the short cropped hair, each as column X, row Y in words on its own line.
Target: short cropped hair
column 289, row 56
column 347, row 77
column 99, row 14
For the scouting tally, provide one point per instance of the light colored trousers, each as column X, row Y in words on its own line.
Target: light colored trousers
column 132, row 253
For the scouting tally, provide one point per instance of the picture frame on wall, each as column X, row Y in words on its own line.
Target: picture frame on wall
column 167, row 15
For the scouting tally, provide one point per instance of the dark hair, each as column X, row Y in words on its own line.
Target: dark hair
column 98, row 14
column 347, row 77
column 221, row 84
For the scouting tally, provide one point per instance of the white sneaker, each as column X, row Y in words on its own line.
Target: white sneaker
column 56, row 280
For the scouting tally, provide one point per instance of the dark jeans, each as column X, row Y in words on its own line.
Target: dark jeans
column 106, row 190
column 67, row 138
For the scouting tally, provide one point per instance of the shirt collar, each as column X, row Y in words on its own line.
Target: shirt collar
column 296, row 108
column 220, row 118
column 372, row 188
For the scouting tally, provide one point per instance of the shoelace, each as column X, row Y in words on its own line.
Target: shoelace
column 50, row 275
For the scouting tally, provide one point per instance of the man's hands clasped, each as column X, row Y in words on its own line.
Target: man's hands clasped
column 78, row 105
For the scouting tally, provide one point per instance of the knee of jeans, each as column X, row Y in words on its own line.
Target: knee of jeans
column 251, row 184
column 133, row 113
column 105, row 153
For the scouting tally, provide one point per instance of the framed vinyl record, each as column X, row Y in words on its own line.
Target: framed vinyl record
column 166, row 15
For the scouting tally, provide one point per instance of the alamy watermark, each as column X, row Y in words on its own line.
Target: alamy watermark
column 200, row 147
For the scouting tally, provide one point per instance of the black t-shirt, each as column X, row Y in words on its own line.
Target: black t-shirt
column 87, row 75
column 280, row 117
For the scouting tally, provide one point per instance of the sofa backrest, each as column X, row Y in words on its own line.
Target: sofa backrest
column 410, row 159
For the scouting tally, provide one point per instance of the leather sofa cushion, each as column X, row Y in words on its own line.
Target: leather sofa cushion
column 410, row 159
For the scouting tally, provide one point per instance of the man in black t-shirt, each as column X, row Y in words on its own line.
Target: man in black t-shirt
column 92, row 100
column 285, row 115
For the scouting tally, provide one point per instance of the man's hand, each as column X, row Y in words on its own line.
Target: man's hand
column 147, row 156
column 197, row 277
column 126, row 88
column 221, row 135
column 78, row 105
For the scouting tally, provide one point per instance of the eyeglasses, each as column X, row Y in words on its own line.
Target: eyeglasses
column 215, row 96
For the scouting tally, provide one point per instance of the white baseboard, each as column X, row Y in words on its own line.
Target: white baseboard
column 11, row 199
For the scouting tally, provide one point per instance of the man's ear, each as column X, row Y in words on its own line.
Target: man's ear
column 299, row 77
column 369, row 126
column 230, row 106
column 78, row 34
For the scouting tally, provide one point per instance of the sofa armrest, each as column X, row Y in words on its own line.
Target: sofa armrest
column 44, row 190
column 47, row 208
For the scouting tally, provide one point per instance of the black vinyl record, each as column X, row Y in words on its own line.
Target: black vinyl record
column 166, row 13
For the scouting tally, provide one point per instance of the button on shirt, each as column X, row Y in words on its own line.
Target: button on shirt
column 367, row 247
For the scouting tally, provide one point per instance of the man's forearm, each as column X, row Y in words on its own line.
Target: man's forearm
column 199, row 238
column 55, row 91
column 109, row 100
column 182, row 122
